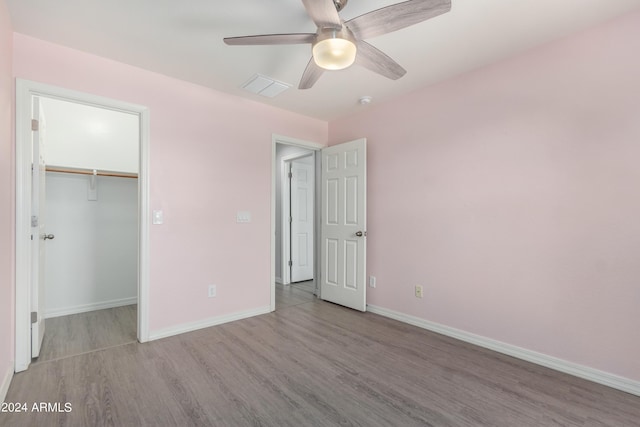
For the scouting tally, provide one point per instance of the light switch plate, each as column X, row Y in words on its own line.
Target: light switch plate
column 243, row 216
column 158, row 217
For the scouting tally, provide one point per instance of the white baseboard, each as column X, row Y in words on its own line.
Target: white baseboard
column 591, row 374
column 279, row 280
column 206, row 323
column 65, row 311
column 6, row 381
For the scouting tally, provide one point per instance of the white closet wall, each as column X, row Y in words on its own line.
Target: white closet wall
column 86, row 137
column 92, row 262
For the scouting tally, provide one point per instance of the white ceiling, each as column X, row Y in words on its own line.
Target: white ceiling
column 183, row 39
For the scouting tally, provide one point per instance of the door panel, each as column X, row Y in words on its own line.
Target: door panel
column 343, row 230
column 302, row 219
column 331, row 201
column 38, row 231
column 351, row 264
column 331, row 271
column 351, row 200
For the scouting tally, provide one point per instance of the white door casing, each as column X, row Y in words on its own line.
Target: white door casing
column 39, row 230
column 275, row 170
column 302, row 217
column 25, row 91
column 344, row 224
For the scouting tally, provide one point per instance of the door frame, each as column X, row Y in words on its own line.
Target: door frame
column 25, row 90
column 286, row 212
column 275, row 169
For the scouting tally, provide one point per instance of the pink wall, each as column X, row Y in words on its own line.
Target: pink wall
column 513, row 191
column 210, row 157
column 512, row 195
column 6, row 195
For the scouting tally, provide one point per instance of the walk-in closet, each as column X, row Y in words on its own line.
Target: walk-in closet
column 91, row 211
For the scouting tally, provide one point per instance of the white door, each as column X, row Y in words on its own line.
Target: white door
column 38, row 230
column 344, row 224
column 302, row 190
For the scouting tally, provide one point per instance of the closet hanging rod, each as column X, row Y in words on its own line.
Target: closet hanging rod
column 90, row 172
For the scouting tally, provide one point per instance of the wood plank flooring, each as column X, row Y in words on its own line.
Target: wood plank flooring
column 84, row 332
column 294, row 294
column 311, row 364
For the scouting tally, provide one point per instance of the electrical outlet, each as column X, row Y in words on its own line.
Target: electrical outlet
column 372, row 281
column 418, row 291
column 212, row 291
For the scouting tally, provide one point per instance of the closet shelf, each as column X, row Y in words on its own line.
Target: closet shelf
column 90, row 172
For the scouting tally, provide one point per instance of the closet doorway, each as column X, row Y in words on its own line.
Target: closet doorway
column 86, row 208
column 91, row 268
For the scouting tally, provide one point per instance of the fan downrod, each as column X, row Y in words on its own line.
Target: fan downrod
column 340, row 4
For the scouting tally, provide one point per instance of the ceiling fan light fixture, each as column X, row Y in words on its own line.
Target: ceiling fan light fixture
column 337, row 44
column 334, row 49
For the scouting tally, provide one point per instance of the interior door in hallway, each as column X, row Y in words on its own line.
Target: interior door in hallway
column 344, row 224
column 302, row 206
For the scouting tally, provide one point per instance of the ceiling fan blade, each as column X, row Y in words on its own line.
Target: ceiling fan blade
column 311, row 75
column 323, row 13
column 377, row 61
column 267, row 39
column 396, row 17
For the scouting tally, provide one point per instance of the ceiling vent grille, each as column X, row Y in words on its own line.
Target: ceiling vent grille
column 265, row 86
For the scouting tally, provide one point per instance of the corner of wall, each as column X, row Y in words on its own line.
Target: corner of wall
column 6, row 381
column 7, row 168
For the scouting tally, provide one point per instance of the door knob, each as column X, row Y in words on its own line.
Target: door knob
column 49, row 237
column 361, row 233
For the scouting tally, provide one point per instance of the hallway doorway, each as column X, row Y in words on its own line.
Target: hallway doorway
column 294, row 222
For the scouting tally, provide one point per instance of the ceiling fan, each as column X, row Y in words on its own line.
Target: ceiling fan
column 338, row 44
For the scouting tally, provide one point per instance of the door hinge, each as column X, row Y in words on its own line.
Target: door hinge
column 34, row 317
column 34, row 124
column 290, row 175
column 290, row 263
column 290, row 220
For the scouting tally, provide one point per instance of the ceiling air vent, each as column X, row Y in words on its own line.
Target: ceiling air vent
column 265, row 86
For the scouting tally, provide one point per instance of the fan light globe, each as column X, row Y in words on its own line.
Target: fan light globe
column 334, row 52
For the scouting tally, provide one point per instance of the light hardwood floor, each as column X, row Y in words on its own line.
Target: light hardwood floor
column 294, row 294
column 311, row 364
column 84, row 332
